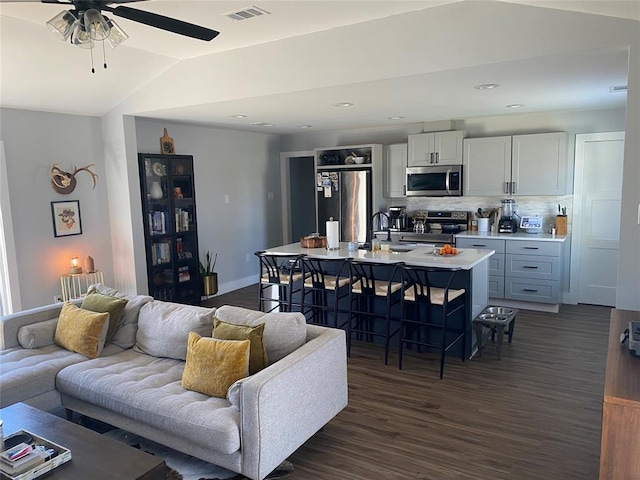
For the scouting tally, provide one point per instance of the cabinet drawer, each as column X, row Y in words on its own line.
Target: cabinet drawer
column 496, row 264
column 543, row 291
column 481, row 242
column 496, row 286
column 532, row 266
column 531, row 247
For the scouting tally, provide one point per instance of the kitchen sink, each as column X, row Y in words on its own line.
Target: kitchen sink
column 402, row 248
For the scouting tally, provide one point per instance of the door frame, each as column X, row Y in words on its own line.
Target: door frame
column 285, row 162
column 578, row 183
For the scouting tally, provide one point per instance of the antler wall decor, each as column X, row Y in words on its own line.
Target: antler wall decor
column 65, row 182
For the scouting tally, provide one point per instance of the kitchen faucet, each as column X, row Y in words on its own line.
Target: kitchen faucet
column 373, row 219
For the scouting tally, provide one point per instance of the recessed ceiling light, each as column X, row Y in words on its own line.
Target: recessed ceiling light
column 515, row 105
column 238, row 116
column 343, row 104
column 397, row 117
column 262, row 124
column 304, row 126
column 486, row 86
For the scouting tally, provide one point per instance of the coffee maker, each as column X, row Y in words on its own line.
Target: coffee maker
column 397, row 219
column 508, row 221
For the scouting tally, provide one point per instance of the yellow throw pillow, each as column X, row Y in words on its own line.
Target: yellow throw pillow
column 81, row 331
column 213, row 365
column 258, row 351
column 100, row 303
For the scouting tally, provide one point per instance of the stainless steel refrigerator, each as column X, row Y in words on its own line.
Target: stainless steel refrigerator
column 345, row 195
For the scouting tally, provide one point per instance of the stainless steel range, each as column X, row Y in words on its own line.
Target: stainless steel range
column 440, row 227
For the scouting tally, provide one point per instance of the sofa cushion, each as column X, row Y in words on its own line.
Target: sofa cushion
column 81, row 331
column 163, row 328
column 97, row 302
column 38, row 334
column 213, row 365
column 125, row 334
column 29, row 373
column 283, row 332
column 148, row 389
column 258, row 351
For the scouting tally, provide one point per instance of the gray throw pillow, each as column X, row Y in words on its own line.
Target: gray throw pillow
column 163, row 328
column 37, row 335
column 283, row 332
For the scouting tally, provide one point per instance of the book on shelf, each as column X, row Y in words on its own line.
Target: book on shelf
column 183, row 274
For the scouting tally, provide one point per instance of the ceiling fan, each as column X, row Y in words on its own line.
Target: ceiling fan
column 81, row 7
column 84, row 24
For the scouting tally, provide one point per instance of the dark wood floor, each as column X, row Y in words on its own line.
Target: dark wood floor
column 535, row 414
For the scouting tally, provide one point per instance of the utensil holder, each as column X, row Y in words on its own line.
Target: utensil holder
column 483, row 224
column 561, row 225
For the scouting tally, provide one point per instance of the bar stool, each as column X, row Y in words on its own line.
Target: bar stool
column 427, row 310
column 326, row 282
column 371, row 283
column 281, row 271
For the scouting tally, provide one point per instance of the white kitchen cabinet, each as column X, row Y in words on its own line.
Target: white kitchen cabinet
column 394, row 173
column 534, row 164
column 539, row 164
column 486, row 165
column 436, row 148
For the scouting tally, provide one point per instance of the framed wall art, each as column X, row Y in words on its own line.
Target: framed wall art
column 66, row 218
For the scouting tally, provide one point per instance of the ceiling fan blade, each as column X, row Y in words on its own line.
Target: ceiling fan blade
column 164, row 23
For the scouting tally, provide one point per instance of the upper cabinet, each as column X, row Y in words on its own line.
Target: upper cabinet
column 394, row 173
column 539, row 164
column 438, row 148
column 487, row 165
column 534, row 164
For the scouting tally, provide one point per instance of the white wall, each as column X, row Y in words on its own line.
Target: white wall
column 33, row 142
column 246, row 167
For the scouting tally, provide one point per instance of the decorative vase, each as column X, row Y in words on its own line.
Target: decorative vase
column 156, row 191
column 209, row 284
column 89, row 265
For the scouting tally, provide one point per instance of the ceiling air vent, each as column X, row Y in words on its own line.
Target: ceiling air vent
column 618, row 88
column 247, row 13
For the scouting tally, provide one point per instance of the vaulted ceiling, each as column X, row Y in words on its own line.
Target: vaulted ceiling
column 418, row 60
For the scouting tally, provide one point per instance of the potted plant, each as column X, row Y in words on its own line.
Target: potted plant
column 209, row 277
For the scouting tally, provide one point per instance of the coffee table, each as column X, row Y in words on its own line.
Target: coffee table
column 93, row 455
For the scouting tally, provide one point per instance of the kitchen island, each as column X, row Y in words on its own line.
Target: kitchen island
column 472, row 262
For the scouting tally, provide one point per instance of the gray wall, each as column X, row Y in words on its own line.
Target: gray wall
column 246, row 167
column 33, row 142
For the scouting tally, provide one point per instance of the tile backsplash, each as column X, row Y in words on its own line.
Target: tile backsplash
column 544, row 206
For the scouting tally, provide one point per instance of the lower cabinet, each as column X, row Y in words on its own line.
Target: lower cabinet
column 533, row 271
column 496, row 261
column 526, row 270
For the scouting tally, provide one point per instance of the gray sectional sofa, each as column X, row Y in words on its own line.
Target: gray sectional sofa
column 135, row 384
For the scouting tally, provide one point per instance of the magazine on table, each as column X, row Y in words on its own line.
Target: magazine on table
column 27, row 456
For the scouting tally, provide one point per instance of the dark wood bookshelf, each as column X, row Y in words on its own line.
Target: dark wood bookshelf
column 170, row 227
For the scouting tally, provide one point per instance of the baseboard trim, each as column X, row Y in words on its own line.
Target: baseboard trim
column 538, row 307
column 227, row 287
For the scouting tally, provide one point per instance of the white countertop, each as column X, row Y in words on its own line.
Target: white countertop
column 543, row 237
column 466, row 259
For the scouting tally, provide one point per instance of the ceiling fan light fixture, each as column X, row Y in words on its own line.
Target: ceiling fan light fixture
column 62, row 24
column 116, row 34
column 95, row 25
column 80, row 37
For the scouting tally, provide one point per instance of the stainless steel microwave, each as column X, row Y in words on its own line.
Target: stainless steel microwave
column 436, row 181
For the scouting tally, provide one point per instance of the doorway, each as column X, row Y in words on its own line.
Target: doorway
column 298, row 195
column 597, row 203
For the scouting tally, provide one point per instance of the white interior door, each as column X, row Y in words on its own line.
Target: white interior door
column 598, row 189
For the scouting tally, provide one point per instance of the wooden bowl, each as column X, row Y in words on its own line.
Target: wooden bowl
column 313, row 242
